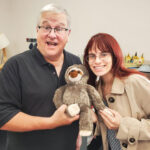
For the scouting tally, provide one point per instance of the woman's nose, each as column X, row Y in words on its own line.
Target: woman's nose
column 98, row 59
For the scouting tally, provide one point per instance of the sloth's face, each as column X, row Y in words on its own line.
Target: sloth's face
column 75, row 74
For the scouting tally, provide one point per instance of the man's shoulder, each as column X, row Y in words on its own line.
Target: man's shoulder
column 19, row 58
column 24, row 54
column 72, row 58
column 68, row 54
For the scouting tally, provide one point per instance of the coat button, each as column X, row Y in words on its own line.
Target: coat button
column 125, row 145
column 111, row 99
column 132, row 140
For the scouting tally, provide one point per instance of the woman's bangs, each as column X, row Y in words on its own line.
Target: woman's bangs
column 102, row 46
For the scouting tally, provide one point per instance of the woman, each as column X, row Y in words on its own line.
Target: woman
column 125, row 91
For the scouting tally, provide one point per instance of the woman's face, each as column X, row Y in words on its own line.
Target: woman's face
column 99, row 62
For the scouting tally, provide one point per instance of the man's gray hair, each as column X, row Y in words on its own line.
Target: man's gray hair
column 55, row 9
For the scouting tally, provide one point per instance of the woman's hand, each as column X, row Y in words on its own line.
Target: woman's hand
column 111, row 118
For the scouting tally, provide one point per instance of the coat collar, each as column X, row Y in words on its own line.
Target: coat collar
column 118, row 86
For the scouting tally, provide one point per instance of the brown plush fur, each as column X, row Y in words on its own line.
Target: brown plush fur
column 80, row 93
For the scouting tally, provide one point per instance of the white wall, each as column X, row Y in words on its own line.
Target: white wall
column 127, row 20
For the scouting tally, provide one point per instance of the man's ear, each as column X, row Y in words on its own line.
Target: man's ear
column 69, row 34
column 37, row 29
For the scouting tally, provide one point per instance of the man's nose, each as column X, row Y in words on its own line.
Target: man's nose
column 52, row 33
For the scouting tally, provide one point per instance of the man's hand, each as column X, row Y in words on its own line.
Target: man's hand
column 22, row 122
column 60, row 118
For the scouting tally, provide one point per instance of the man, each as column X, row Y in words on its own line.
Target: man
column 27, row 85
column 3, row 136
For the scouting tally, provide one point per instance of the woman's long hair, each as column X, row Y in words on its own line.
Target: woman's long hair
column 107, row 43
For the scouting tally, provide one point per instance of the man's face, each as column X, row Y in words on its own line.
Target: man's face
column 52, row 43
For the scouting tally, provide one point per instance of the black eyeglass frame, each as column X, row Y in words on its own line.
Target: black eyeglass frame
column 58, row 29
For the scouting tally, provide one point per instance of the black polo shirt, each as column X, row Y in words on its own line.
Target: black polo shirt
column 28, row 83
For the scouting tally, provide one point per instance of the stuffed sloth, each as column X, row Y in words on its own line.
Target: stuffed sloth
column 79, row 97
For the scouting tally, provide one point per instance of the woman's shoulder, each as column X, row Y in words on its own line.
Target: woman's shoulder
column 136, row 79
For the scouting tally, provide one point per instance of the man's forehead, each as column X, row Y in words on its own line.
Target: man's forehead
column 49, row 17
column 47, row 22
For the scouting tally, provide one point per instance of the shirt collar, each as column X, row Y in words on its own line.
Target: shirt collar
column 40, row 57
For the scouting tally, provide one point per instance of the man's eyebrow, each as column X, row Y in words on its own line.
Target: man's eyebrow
column 45, row 22
column 62, row 24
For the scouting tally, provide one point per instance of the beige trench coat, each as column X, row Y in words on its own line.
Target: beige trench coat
column 131, row 98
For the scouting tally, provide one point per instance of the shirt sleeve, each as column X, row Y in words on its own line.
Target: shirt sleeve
column 10, row 92
column 135, row 129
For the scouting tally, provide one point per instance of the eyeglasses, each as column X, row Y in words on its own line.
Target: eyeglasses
column 48, row 29
column 92, row 57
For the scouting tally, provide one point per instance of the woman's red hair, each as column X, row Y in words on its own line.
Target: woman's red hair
column 107, row 43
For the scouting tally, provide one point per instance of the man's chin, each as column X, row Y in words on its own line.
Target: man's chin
column 51, row 47
column 53, row 56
